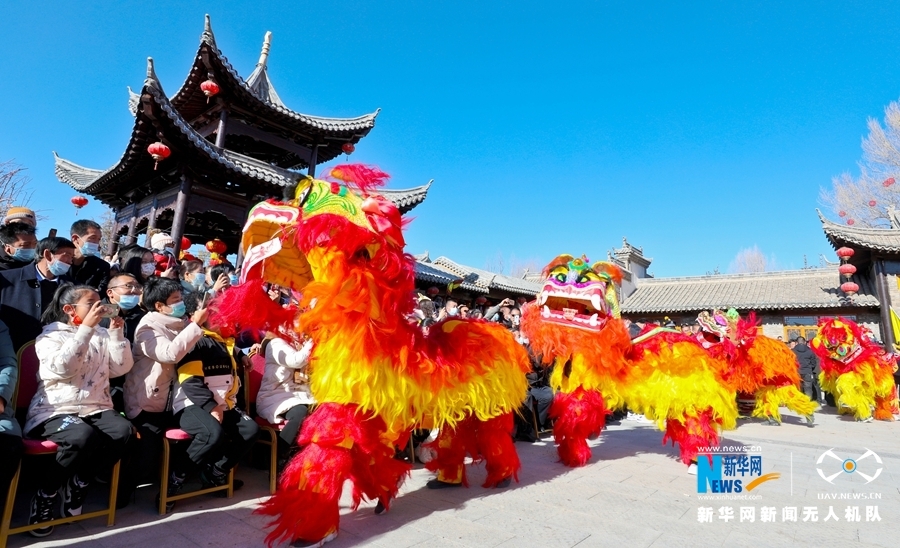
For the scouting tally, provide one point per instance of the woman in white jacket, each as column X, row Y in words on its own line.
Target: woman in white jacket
column 72, row 406
column 284, row 391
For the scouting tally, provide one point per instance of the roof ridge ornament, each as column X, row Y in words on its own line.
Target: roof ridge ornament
column 264, row 54
column 152, row 80
column 208, row 35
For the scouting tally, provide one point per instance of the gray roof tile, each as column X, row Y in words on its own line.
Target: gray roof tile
column 785, row 290
column 879, row 239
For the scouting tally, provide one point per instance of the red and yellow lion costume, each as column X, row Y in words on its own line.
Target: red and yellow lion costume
column 759, row 366
column 855, row 369
column 374, row 374
column 575, row 326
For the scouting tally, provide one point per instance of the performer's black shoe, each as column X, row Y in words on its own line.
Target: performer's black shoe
column 379, row 508
column 438, row 484
column 504, row 482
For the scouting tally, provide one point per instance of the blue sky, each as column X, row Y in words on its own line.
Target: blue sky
column 694, row 131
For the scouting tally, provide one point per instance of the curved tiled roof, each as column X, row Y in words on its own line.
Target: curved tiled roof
column 878, row 239
column 158, row 119
column 408, row 198
column 785, row 290
column 257, row 95
column 490, row 280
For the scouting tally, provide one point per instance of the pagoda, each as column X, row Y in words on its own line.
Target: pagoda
column 222, row 144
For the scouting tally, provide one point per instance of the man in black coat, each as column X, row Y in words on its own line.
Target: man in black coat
column 809, row 369
column 87, row 266
column 26, row 292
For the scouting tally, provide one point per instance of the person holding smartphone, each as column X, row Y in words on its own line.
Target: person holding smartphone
column 72, row 406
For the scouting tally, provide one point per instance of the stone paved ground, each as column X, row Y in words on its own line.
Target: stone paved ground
column 632, row 493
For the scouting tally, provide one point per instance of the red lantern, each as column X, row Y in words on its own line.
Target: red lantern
column 480, row 301
column 185, row 243
column 209, row 88
column 842, row 213
column 872, row 203
column 79, row 201
column 845, row 252
column 888, row 182
column 850, row 222
column 849, row 288
column 216, row 246
column 158, row 151
column 847, row 270
column 348, row 148
column 433, row 291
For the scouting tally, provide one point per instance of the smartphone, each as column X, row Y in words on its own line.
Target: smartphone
column 110, row 310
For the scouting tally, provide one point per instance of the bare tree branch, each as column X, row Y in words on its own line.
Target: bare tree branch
column 749, row 260
column 866, row 200
column 14, row 186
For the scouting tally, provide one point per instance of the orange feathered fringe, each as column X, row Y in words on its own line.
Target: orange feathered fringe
column 577, row 416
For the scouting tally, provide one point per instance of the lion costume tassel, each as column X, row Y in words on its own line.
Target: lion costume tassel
column 375, row 375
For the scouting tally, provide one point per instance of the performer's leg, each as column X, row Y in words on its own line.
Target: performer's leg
column 579, row 415
column 305, row 506
column 376, row 474
column 494, row 441
column 451, row 447
column 691, row 433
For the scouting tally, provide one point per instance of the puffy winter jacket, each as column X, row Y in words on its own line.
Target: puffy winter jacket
column 160, row 342
column 76, row 364
column 284, row 384
column 207, row 375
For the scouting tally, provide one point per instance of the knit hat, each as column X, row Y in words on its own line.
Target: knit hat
column 20, row 215
column 161, row 240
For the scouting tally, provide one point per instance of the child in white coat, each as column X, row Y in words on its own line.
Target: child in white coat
column 72, row 406
column 284, row 391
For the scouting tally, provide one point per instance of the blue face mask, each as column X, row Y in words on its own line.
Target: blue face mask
column 90, row 249
column 127, row 302
column 58, row 268
column 24, row 255
column 199, row 280
column 233, row 279
column 177, row 310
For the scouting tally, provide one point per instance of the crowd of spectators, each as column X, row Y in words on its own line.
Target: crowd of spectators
column 125, row 351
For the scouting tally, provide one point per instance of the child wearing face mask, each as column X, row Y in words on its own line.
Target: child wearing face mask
column 72, row 406
column 162, row 338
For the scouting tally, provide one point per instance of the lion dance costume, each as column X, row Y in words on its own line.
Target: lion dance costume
column 374, row 374
column 759, row 366
column 575, row 325
column 855, row 369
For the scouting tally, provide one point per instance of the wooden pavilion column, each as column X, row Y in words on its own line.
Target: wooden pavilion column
column 113, row 242
column 131, row 239
column 181, row 206
column 313, row 160
column 884, row 297
column 220, row 131
column 151, row 222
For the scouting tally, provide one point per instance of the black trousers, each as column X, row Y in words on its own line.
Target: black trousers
column 288, row 435
column 10, row 455
column 809, row 385
column 142, row 463
column 213, row 443
column 86, row 445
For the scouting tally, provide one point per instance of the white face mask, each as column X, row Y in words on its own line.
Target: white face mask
column 89, row 249
column 147, row 269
